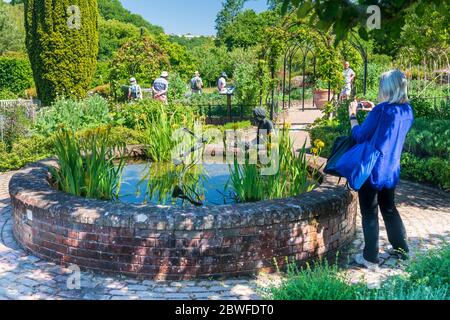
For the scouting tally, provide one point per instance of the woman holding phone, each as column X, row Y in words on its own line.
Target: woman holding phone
column 387, row 126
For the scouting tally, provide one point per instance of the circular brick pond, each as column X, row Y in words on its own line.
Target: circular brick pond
column 168, row 242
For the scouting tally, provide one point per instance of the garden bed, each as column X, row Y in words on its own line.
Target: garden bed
column 165, row 242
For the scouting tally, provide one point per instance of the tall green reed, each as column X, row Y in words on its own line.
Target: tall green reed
column 161, row 123
column 295, row 175
column 88, row 167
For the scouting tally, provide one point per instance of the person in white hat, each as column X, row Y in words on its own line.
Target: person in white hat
column 222, row 83
column 135, row 91
column 161, row 87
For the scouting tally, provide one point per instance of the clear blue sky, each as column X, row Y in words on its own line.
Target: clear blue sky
column 184, row 16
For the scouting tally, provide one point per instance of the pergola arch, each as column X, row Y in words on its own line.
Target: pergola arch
column 308, row 47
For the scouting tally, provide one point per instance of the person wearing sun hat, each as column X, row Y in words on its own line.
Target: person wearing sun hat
column 134, row 91
column 222, row 83
column 160, row 87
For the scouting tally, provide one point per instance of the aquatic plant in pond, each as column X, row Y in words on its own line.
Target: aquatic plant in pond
column 160, row 128
column 293, row 177
column 88, row 167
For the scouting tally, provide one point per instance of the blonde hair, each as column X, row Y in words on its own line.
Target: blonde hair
column 393, row 87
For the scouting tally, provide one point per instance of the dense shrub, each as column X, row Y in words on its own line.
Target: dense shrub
column 141, row 58
column 178, row 87
column 6, row 94
column 14, row 124
column 205, row 99
column 25, row 150
column 328, row 134
column 138, row 115
column 72, row 114
column 429, row 138
column 117, row 135
column 433, row 170
column 438, row 108
column 15, row 74
column 63, row 58
column 101, row 75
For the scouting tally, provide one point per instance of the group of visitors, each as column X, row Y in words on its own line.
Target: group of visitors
column 160, row 87
column 159, row 90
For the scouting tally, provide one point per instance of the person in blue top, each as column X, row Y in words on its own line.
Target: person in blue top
column 387, row 126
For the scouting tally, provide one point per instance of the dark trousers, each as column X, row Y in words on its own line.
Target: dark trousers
column 370, row 199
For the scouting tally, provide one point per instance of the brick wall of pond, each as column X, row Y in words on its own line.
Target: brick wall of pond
column 179, row 243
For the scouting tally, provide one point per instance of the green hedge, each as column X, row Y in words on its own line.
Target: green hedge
column 429, row 138
column 433, row 170
column 25, row 150
column 431, row 109
column 15, row 74
column 6, row 94
column 328, row 135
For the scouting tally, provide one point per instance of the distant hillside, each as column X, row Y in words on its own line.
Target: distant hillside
column 113, row 9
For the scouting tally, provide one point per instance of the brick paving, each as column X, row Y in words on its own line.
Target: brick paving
column 426, row 212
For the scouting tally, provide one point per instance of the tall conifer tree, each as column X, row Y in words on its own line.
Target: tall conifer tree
column 62, row 43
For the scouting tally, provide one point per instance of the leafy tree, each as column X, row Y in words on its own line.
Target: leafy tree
column 211, row 61
column 345, row 15
column 250, row 79
column 230, row 9
column 191, row 43
column 247, row 29
column 63, row 52
column 425, row 35
column 113, row 10
column 143, row 58
column 113, row 35
column 179, row 58
column 12, row 33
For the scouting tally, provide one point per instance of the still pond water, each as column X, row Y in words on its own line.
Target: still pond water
column 156, row 183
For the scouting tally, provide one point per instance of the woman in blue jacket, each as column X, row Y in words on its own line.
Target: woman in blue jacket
column 387, row 126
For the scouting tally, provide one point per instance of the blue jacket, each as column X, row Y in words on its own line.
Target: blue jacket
column 395, row 122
